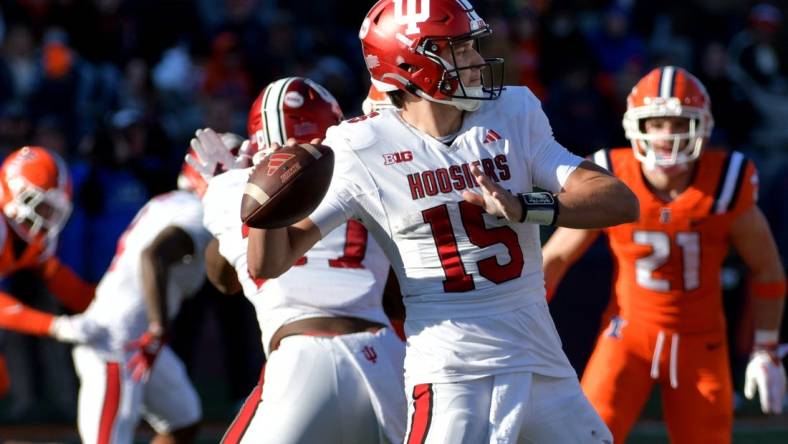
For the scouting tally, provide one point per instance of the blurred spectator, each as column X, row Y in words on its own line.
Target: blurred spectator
column 125, row 166
column 734, row 116
column 225, row 71
column 758, row 67
column 17, row 64
column 15, row 127
column 565, row 46
column 62, row 86
column 576, row 113
column 614, row 44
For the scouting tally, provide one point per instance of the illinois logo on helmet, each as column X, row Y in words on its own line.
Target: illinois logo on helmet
column 36, row 193
column 292, row 107
column 402, row 41
column 668, row 91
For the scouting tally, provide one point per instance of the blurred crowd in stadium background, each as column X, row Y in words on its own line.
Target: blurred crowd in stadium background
column 118, row 87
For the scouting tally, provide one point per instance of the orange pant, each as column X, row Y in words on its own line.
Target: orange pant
column 692, row 370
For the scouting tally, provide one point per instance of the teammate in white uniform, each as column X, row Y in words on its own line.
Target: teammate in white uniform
column 334, row 368
column 158, row 263
column 446, row 187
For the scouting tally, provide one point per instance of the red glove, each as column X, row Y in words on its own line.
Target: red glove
column 145, row 349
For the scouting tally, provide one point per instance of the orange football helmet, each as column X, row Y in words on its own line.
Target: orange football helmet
column 36, row 193
column 668, row 91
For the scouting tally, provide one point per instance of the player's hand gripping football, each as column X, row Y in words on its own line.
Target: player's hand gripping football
column 145, row 350
column 494, row 199
column 765, row 373
column 214, row 156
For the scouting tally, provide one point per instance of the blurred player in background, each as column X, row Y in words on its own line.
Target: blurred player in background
column 158, row 263
column 36, row 203
column 484, row 362
column 667, row 324
column 334, row 368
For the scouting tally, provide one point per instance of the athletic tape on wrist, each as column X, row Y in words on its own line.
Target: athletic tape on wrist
column 539, row 208
column 766, row 337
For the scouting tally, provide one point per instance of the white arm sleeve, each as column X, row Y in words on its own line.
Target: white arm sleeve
column 551, row 163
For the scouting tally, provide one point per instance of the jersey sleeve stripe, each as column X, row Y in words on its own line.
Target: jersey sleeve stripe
column 602, row 158
column 739, row 182
column 730, row 182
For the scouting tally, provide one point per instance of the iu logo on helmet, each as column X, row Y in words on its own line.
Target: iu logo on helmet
column 276, row 161
column 405, row 14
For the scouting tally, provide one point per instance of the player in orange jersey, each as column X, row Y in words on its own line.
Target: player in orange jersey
column 35, row 196
column 666, row 317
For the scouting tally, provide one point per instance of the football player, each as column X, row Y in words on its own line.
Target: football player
column 158, row 263
column 445, row 185
column 36, row 200
column 668, row 326
column 334, row 365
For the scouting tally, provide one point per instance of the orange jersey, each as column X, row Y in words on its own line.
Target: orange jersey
column 72, row 291
column 668, row 263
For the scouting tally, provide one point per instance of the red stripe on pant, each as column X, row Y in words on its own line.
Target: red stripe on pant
column 241, row 422
column 422, row 414
column 111, row 402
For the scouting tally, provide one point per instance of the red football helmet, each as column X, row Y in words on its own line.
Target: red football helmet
column 190, row 179
column 36, row 193
column 668, row 92
column 291, row 107
column 402, row 40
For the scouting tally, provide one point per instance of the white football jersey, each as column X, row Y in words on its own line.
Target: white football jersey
column 342, row 275
column 453, row 260
column 120, row 303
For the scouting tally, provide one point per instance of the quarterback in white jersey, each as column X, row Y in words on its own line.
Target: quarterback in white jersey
column 158, row 263
column 446, row 186
column 334, row 365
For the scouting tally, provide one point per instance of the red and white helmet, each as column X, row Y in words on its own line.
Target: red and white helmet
column 190, row 179
column 291, row 107
column 36, row 193
column 376, row 101
column 402, row 39
column 668, row 91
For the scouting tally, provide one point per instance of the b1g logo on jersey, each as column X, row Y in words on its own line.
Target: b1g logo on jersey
column 405, row 14
column 402, row 156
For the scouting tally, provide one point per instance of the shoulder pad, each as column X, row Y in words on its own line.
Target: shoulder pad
column 357, row 133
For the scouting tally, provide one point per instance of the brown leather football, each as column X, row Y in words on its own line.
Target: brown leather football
column 287, row 185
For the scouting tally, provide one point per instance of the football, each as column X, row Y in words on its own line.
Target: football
column 287, row 185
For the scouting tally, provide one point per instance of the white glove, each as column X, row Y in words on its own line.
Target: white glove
column 765, row 373
column 214, row 153
column 78, row 329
